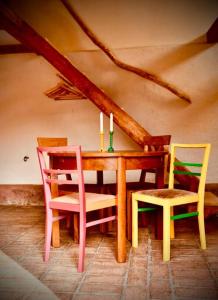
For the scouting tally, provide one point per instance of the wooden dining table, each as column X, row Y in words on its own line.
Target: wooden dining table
column 119, row 161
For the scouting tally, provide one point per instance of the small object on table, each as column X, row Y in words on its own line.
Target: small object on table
column 110, row 148
column 101, row 133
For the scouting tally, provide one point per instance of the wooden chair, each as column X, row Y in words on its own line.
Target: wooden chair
column 64, row 189
column 168, row 198
column 151, row 143
column 79, row 202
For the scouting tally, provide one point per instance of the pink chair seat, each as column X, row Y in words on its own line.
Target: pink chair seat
column 93, row 201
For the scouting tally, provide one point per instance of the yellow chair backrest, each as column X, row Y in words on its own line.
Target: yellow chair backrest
column 178, row 167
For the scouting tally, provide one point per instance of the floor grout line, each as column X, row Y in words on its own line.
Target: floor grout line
column 29, row 231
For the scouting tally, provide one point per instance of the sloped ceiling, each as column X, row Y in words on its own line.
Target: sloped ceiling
column 120, row 24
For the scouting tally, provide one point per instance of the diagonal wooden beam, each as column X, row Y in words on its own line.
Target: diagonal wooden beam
column 30, row 38
column 16, row 48
column 212, row 34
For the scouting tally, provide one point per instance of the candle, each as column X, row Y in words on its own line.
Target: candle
column 101, row 122
column 111, row 122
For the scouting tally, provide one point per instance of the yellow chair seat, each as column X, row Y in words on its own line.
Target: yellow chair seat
column 167, row 196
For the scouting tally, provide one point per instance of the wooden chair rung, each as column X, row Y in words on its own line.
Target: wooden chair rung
column 183, row 216
column 146, row 209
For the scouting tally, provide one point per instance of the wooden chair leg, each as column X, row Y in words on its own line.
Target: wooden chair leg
column 166, row 233
column 109, row 213
column 76, row 227
column 172, row 229
column 159, row 224
column 48, row 231
column 103, row 226
column 68, row 221
column 129, row 214
column 82, row 242
column 134, row 223
column 201, row 226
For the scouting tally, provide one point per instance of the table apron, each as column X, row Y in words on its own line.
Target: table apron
column 111, row 164
column 144, row 163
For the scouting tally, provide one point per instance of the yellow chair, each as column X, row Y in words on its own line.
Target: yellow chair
column 168, row 198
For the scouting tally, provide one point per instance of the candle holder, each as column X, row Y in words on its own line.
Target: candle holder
column 110, row 148
column 102, row 141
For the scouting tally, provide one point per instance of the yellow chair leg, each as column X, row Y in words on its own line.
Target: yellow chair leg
column 134, row 223
column 166, row 233
column 202, row 228
column 172, row 230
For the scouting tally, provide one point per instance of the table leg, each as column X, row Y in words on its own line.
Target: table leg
column 121, row 210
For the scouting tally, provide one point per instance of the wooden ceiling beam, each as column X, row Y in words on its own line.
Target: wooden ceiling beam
column 15, row 48
column 212, row 34
column 30, row 38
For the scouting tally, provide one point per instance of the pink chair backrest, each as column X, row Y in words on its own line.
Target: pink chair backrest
column 50, row 176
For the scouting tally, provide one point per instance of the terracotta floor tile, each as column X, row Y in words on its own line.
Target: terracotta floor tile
column 189, row 282
column 197, row 293
column 135, row 292
column 139, row 262
column 104, row 279
column 137, row 277
column 96, row 288
column 99, row 269
column 64, row 296
column 160, row 290
column 190, row 274
column 96, row 297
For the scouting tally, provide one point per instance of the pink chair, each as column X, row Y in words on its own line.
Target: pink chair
column 80, row 201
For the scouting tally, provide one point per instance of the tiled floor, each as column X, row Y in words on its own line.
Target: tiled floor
column 191, row 273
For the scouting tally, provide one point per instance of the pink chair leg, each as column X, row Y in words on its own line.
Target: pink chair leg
column 48, row 230
column 82, row 243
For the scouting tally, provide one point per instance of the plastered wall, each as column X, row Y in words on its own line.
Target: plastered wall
column 172, row 53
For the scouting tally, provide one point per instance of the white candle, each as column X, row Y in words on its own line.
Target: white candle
column 111, row 122
column 101, row 123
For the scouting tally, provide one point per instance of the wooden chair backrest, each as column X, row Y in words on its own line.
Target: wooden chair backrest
column 51, row 176
column 156, row 143
column 52, row 141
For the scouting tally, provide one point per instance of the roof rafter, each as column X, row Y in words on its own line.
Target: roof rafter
column 29, row 37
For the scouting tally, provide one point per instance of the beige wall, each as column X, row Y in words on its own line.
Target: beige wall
column 164, row 47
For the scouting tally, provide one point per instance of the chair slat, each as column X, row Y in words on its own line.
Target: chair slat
column 146, row 209
column 186, row 173
column 185, row 215
column 59, row 172
column 180, row 163
column 59, row 181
